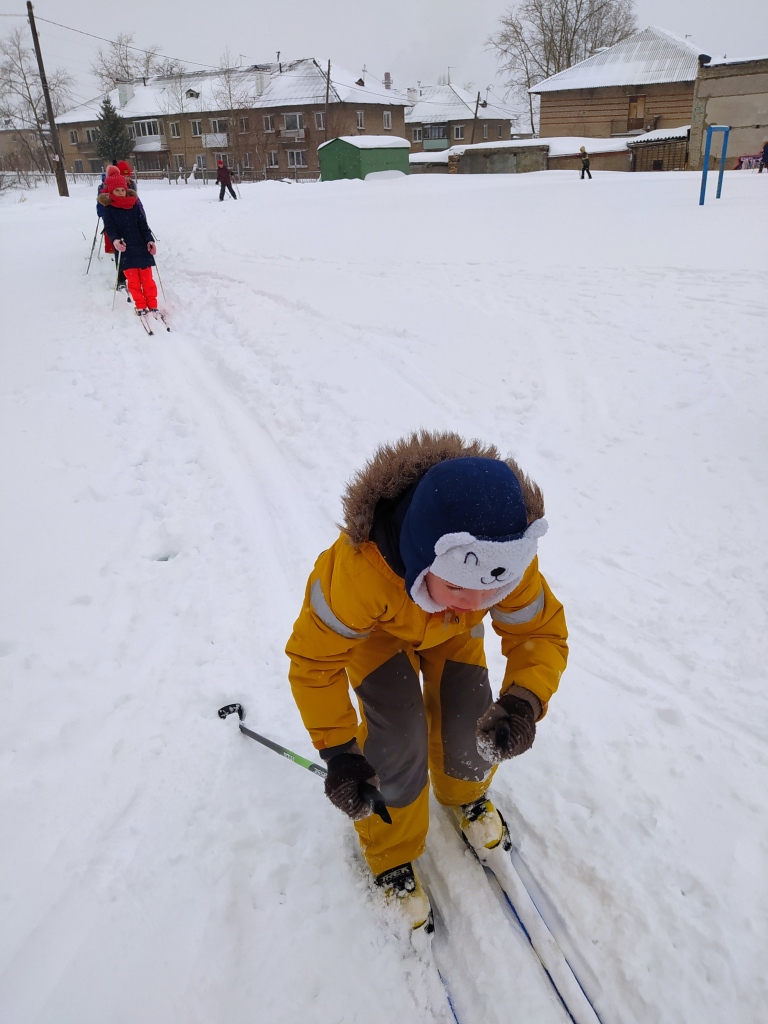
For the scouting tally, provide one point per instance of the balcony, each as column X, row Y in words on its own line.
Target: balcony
column 291, row 134
column 216, row 140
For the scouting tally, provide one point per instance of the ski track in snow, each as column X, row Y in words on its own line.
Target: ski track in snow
column 172, row 493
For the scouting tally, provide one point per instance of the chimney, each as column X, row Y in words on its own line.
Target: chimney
column 704, row 59
column 124, row 93
column 413, row 96
column 387, row 80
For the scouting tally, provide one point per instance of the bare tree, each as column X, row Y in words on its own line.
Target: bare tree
column 22, row 103
column 175, row 100
column 235, row 95
column 539, row 38
column 122, row 61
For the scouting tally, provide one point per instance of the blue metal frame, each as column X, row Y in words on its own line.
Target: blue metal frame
column 711, row 129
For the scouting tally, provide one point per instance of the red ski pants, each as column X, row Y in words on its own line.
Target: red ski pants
column 142, row 287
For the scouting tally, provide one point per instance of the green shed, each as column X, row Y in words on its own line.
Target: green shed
column 360, row 156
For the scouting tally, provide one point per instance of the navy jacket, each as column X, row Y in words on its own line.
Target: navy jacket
column 130, row 225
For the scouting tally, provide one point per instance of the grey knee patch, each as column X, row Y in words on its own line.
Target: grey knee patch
column 396, row 744
column 465, row 694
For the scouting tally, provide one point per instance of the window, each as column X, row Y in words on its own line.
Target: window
column 91, row 134
column 77, row 166
column 297, row 158
column 200, row 161
column 501, row 129
column 272, row 158
column 485, row 131
column 96, row 166
column 417, row 134
column 131, row 132
column 320, row 120
column 387, row 119
column 197, row 129
column 175, row 129
column 226, row 158
column 245, row 125
column 146, row 128
column 435, row 131
column 219, row 125
column 458, row 132
column 294, row 122
column 269, row 123
column 361, row 120
column 73, row 138
column 192, row 95
column 246, row 159
column 179, row 161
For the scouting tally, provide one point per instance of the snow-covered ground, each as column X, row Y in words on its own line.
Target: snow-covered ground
column 164, row 498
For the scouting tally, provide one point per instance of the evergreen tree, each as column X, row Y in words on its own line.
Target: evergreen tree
column 112, row 139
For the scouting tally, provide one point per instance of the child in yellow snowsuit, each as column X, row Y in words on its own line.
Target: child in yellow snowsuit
column 437, row 533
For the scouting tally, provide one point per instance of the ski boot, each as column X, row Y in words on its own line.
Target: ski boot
column 402, row 885
column 482, row 826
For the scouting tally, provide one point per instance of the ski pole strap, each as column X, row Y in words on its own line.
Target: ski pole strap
column 367, row 791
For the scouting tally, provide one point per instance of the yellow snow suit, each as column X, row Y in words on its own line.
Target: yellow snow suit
column 359, row 627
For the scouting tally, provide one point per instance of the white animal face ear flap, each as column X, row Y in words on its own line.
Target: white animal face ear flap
column 453, row 540
column 537, row 528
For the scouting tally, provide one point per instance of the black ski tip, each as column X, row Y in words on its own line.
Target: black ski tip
column 231, row 709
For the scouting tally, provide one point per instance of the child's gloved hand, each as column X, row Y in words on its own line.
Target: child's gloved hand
column 507, row 728
column 152, row 248
column 342, row 784
column 119, row 245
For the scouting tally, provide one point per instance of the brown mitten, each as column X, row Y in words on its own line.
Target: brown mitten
column 346, row 773
column 507, row 728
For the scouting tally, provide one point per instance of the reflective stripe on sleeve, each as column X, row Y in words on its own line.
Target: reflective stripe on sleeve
column 522, row 614
column 322, row 610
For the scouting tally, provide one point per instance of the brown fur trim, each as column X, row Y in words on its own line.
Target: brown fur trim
column 394, row 467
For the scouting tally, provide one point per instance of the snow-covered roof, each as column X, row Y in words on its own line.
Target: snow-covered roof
column 284, row 85
column 557, row 146
column 721, row 62
column 645, row 58
column 661, row 135
column 371, row 141
column 439, row 103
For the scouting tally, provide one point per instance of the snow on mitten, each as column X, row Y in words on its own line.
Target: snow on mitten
column 342, row 784
column 507, row 728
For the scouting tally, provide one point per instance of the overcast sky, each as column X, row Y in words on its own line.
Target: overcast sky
column 416, row 40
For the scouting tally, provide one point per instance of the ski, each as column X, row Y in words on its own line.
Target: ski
column 142, row 317
column 159, row 315
column 498, row 863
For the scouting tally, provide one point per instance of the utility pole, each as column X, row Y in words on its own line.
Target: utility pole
column 327, row 94
column 474, row 121
column 58, row 156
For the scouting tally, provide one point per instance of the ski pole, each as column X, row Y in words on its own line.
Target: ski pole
column 117, row 278
column 93, row 244
column 367, row 791
column 160, row 281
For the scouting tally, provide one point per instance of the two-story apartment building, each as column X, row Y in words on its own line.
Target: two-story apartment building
column 267, row 119
column 440, row 116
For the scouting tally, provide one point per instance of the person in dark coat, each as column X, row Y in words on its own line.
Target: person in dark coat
column 224, row 178
column 125, row 223
column 764, row 161
column 585, row 163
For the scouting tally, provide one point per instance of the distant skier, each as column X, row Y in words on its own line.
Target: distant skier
column 224, row 178
column 125, row 224
column 585, row 163
column 764, row 160
column 437, row 532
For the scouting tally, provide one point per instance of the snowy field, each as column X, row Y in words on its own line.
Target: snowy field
column 164, row 499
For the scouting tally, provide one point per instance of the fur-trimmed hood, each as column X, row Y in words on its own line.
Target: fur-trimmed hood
column 395, row 467
column 106, row 199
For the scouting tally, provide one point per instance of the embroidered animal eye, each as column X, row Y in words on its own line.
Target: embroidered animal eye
column 471, row 554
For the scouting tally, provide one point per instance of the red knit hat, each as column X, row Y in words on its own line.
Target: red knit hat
column 125, row 168
column 220, row 163
column 114, row 179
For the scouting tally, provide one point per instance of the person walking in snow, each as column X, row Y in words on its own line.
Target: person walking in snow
column 585, row 163
column 437, row 533
column 224, row 178
column 125, row 169
column 764, row 160
column 125, row 224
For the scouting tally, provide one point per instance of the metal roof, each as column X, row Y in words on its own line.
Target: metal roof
column 436, row 104
column 646, row 58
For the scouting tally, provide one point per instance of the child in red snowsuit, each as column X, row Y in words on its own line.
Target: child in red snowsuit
column 125, row 224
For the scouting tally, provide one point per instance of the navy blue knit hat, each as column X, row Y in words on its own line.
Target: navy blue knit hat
column 467, row 523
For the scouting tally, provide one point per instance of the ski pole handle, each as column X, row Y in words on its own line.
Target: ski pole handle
column 367, row 791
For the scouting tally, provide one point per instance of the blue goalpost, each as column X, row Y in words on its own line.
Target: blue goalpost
column 711, row 129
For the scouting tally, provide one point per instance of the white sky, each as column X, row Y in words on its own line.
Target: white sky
column 413, row 39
